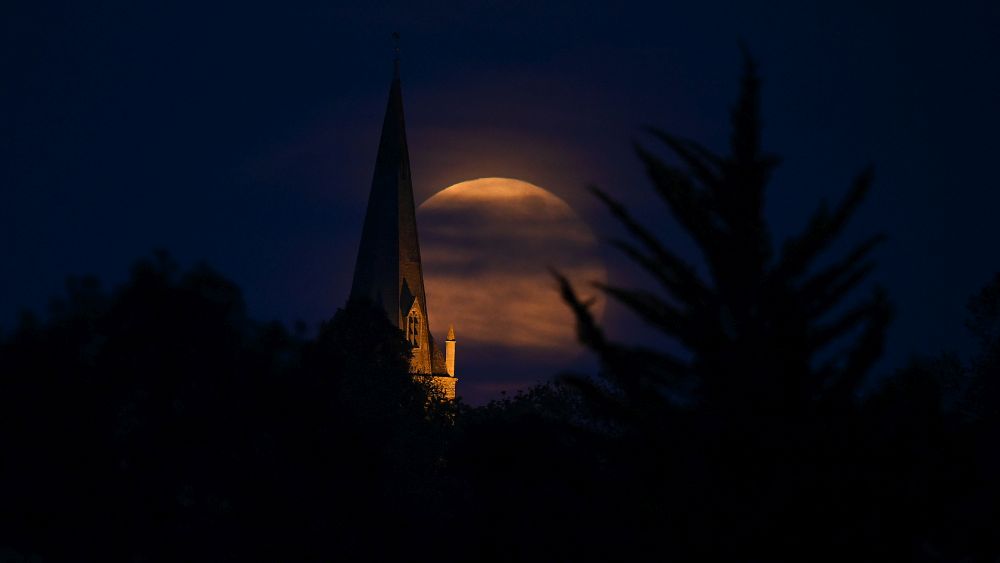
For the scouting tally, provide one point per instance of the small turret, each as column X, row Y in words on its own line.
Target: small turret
column 449, row 353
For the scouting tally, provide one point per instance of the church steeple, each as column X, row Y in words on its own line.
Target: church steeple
column 388, row 270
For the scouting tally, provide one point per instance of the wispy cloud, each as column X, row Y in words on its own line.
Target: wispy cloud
column 488, row 247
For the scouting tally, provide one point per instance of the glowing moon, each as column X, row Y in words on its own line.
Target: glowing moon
column 487, row 247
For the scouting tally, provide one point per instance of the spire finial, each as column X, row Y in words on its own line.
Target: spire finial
column 395, row 50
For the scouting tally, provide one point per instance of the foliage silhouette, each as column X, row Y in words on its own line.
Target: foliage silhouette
column 756, row 326
column 160, row 423
column 756, row 445
column 983, row 394
column 980, row 405
column 958, row 429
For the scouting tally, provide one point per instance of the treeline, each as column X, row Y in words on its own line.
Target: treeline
column 157, row 422
column 160, row 423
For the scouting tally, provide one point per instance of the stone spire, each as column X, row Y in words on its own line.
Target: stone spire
column 388, row 270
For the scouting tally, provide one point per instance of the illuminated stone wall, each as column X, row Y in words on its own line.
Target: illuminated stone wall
column 443, row 383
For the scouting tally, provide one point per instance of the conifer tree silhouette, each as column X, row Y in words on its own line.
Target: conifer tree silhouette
column 982, row 421
column 760, row 324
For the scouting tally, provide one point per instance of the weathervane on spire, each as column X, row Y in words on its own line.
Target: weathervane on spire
column 395, row 50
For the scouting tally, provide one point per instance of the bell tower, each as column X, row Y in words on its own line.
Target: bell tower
column 388, row 270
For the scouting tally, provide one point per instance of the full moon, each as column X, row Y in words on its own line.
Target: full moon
column 488, row 247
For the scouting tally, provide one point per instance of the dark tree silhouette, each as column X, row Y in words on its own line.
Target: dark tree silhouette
column 983, row 394
column 981, row 407
column 758, row 323
column 526, row 480
column 754, row 445
column 947, row 413
column 159, row 422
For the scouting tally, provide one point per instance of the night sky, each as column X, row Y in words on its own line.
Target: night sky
column 244, row 134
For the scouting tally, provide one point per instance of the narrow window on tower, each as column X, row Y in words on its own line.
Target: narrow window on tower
column 413, row 329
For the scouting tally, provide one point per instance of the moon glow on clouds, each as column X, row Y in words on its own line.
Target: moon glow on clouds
column 488, row 247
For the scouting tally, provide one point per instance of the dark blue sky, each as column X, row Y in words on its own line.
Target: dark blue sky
column 244, row 133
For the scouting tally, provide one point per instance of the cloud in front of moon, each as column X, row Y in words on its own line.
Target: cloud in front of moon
column 488, row 247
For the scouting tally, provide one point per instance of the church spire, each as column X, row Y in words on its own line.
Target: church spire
column 388, row 270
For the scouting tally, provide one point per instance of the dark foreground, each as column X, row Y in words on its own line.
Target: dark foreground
column 158, row 422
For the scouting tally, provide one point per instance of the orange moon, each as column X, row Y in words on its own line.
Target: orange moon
column 487, row 248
